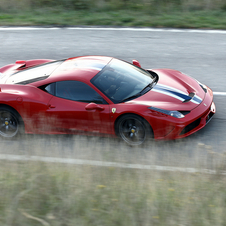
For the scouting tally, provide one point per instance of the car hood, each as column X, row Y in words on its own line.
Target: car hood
column 173, row 91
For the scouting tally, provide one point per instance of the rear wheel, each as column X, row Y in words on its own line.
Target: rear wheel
column 133, row 129
column 10, row 124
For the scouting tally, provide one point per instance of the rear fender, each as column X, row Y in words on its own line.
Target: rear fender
column 28, row 101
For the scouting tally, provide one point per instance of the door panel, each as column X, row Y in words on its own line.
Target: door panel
column 72, row 117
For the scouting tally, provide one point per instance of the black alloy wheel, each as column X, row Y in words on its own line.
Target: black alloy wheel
column 9, row 123
column 133, row 129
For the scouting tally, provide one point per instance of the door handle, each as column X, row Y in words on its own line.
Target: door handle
column 51, row 106
column 93, row 106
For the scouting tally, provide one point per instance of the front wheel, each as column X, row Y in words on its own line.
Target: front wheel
column 10, row 125
column 133, row 129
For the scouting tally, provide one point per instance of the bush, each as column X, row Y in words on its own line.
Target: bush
column 66, row 4
column 150, row 5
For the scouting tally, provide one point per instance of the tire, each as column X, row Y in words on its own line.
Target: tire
column 133, row 129
column 11, row 124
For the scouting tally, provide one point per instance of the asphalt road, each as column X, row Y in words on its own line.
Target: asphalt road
column 199, row 54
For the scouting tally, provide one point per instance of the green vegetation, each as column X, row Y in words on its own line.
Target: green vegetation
column 61, row 195
column 144, row 13
column 54, row 194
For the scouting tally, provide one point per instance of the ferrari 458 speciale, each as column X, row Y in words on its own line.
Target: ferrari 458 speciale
column 101, row 95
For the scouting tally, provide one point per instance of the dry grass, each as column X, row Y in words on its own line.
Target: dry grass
column 35, row 193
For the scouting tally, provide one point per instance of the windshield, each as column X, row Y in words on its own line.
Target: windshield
column 33, row 74
column 121, row 81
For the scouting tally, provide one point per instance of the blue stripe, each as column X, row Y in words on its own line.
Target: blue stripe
column 197, row 100
column 181, row 95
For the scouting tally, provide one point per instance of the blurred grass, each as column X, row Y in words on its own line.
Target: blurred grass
column 41, row 193
column 145, row 13
column 64, row 195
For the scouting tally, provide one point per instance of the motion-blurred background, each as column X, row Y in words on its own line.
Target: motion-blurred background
column 40, row 184
column 156, row 13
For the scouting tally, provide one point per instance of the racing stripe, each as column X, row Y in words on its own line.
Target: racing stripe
column 196, row 100
column 176, row 93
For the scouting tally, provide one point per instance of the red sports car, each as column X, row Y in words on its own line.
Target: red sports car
column 101, row 95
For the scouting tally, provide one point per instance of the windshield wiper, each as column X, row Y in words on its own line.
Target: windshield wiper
column 131, row 97
column 142, row 92
column 148, row 87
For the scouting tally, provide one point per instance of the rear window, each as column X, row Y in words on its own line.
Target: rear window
column 34, row 74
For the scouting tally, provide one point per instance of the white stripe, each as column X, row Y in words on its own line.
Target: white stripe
column 168, row 94
column 195, row 102
column 27, row 28
column 179, row 91
column 171, row 89
column 106, row 164
column 116, row 29
column 176, row 90
column 198, row 97
column 219, row 93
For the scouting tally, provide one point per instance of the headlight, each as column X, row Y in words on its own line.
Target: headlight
column 175, row 114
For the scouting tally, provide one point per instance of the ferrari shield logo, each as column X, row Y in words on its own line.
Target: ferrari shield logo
column 113, row 110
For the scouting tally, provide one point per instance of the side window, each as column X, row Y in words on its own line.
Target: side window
column 78, row 91
column 49, row 88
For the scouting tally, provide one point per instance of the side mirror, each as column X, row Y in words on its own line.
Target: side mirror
column 136, row 63
column 93, row 106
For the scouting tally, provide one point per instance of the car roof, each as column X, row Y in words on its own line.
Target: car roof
column 79, row 68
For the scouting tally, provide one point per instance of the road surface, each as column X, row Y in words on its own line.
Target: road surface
column 201, row 54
